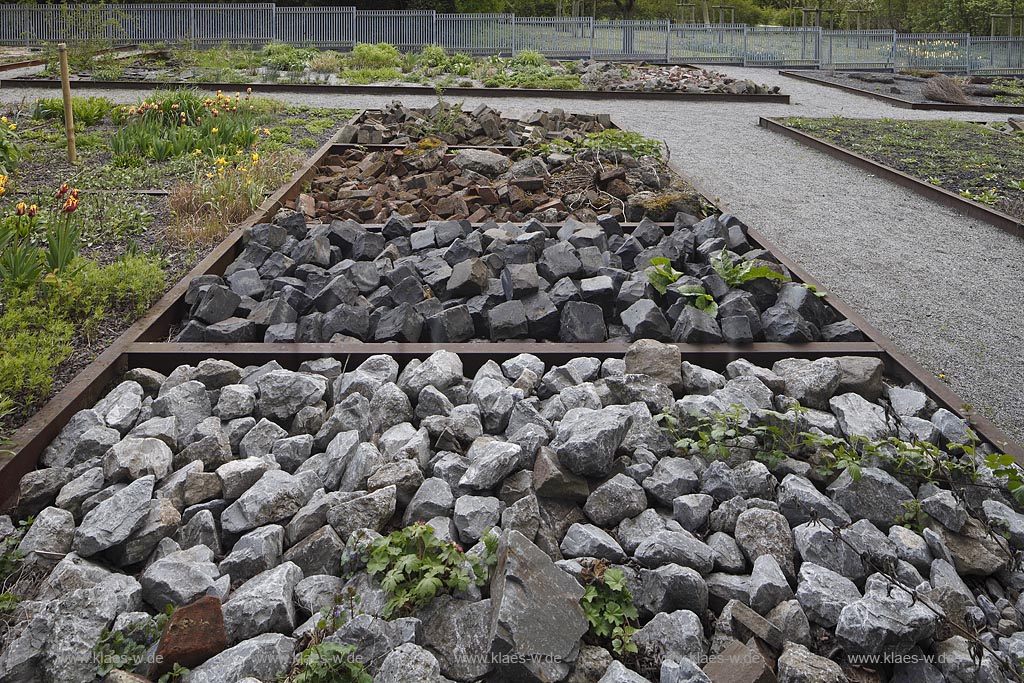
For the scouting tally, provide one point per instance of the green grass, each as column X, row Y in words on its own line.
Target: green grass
column 974, row 161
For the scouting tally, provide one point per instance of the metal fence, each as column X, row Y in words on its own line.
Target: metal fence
column 505, row 34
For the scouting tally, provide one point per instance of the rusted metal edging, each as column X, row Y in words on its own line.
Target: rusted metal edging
column 310, row 88
column 29, row 63
column 902, row 103
column 1003, row 221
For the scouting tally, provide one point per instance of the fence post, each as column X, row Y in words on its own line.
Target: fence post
column 895, row 39
column 592, row 31
column 968, row 54
column 744, row 45
column 273, row 22
column 192, row 23
column 512, row 43
column 668, row 41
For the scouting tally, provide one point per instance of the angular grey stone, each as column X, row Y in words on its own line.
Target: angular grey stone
column 817, row 542
column 677, row 547
column 618, row 673
column 645, row 320
column 49, row 538
column 798, row 665
column 253, row 553
column 283, row 393
column 694, row 326
column 490, row 462
column 587, row 540
column 432, row 499
column 615, row 500
column 823, row 594
column 875, row 496
column 536, row 611
column 765, row 532
column 672, row 635
column 586, row 440
column 371, row 511
column 74, row 493
column 768, row 585
column 999, row 515
column 582, row 323
column 887, row 620
column 692, row 511
column 671, row 478
column 812, row 383
column 456, row 631
column 265, row 658
column 188, row 403
column 180, row 578
column 861, row 375
column 264, row 603
column 859, row 417
column 274, row 498
column 60, row 452
column 235, row 400
column 440, row 370
column 800, row 501
column 474, row 516
column 238, row 476
column 162, row 522
column 671, row 587
column 115, row 519
column 945, row 509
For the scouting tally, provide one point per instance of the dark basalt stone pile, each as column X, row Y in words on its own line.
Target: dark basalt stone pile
column 398, row 124
column 450, row 282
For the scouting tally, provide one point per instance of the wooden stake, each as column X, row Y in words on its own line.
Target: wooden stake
column 65, row 86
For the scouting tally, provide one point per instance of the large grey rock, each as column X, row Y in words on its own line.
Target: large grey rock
column 672, row 635
column 474, row 516
column 432, row 499
column 375, row 638
column 39, row 489
column 274, row 498
column 677, row 547
column 858, row 417
column 456, row 632
column 823, row 594
column 490, row 462
column 318, row 553
column 115, row 519
column 587, row 540
column 409, row 662
column 61, row 451
column 671, row 478
column 537, row 620
column 161, row 522
column 615, row 500
column 264, row 603
column 768, row 584
column 255, row 552
column 181, row 577
column 669, row 588
column 618, row 673
column 283, row 393
column 49, row 538
column 799, row 665
column 371, row 511
column 188, row 403
column 887, row 620
column 818, row 543
column 875, row 495
column 481, row 161
column 441, row 370
column 811, row 382
column 765, row 532
column 800, row 501
column 1000, row 516
column 265, row 658
column 975, row 551
column 586, row 440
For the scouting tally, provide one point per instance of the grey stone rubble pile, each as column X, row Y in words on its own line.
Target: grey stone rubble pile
column 259, row 485
column 450, row 282
column 651, row 77
column 398, row 124
column 428, row 181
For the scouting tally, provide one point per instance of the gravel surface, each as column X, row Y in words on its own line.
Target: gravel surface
column 945, row 287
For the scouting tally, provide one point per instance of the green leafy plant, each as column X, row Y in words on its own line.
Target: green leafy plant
column 10, row 151
column 10, row 557
column 912, row 516
column 117, row 649
column 630, row 142
column 695, row 296
column 175, row 675
column 328, row 663
column 608, row 606
column 661, row 274
column 379, row 56
column 415, row 567
column 87, row 111
column 735, row 274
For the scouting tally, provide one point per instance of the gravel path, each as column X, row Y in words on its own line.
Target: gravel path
column 946, row 288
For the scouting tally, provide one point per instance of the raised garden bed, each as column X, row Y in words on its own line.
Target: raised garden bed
column 738, row 531
column 972, row 167
column 382, row 68
column 451, row 282
column 982, row 93
column 398, row 124
column 428, row 181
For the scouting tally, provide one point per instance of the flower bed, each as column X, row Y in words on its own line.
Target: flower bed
column 700, row 281
column 628, row 519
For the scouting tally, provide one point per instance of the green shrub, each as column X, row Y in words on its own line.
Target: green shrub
column 328, row 663
column 326, row 61
column 529, row 58
column 284, row 57
column 608, row 606
column 379, row 56
column 10, row 152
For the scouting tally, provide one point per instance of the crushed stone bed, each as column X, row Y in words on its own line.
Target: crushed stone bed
column 447, row 281
column 263, row 488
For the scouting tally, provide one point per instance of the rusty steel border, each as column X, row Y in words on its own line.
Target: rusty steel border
column 137, row 347
column 1003, row 221
column 40, row 61
column 899, row 101
column 384, row 90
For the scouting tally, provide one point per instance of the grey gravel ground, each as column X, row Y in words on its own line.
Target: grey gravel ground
column 946, row 288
